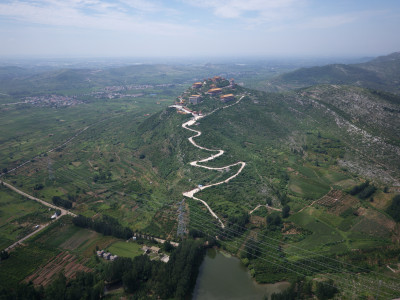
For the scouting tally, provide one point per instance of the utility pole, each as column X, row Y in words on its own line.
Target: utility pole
column 181, row 219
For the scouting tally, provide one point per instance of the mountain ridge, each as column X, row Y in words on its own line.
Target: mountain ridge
column 381, row 73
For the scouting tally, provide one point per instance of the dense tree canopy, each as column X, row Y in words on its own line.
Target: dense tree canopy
column 106, row 225
column 61, row 202
column 394, row 209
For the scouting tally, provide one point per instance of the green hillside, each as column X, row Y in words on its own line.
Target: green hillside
column 381, row 73
column 306, row 149
column 322, row 168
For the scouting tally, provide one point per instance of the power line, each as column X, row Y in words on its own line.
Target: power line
column 312, row 270
column 278, row 241
column 235, row 232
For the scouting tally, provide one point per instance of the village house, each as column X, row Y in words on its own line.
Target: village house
column 146, row 249
column 154, row 249
column 113, row 257
column 106, row 255
column 165, row 259
column 227, row 97
column 195, row 99
column 214, row 92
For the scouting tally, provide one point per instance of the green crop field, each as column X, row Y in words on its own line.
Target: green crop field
column 22, row 262
column 125, row 249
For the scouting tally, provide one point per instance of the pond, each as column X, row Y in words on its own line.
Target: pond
column 222, row 276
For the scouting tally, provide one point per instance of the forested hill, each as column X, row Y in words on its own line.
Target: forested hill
column 325, row 159
column 327, row 129
column 382, row 73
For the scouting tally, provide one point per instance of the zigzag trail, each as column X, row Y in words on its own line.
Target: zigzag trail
column 191, row 193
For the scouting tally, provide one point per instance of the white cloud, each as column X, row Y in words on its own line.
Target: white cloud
column 331, row 21
column 125, row 16
column 143, row 5
column 263, row 9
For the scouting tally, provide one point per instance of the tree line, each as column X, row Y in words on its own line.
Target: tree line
column 302, row 288
column 61, row 202
column 363, row 190
column 106, row 225
column 394, row 208
column 140, row 277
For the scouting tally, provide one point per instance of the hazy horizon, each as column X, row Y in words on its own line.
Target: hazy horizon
column 101, row 62
column 202, row 28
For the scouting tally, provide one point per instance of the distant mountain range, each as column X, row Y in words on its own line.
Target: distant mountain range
column 382, row 73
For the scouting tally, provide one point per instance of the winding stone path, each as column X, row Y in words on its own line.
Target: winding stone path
column 197, row 163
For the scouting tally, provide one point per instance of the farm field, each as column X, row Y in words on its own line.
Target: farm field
column 61, row 247
column 125, row 249
column 64, row 262
column 66, row 236
column 19, row 216
column 338, row 234
column 24, row 261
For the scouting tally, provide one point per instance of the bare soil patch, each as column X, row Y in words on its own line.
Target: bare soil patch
column 64, row 262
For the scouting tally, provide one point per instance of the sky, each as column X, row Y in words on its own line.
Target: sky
column 191, row 28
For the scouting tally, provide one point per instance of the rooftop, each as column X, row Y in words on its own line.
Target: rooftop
column 227, row 96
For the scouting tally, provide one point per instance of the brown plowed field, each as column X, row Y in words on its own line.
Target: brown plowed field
column 63, row 262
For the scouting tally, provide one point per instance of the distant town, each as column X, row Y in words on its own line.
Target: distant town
column 51, row 100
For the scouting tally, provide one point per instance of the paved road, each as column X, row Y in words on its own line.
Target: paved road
column 63, row 210
column 41, row 227
column 191, row 193
column 161, row 241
